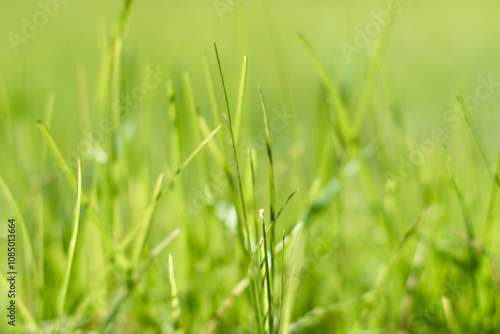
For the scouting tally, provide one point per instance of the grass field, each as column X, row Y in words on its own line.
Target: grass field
column 242, row 166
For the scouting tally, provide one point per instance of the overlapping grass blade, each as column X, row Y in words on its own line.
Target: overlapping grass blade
column 242, row 221
column 58, row 155
column 269, row 285
column 493, row 206
column 241, row 99
column 272, row 190
column 228, row 302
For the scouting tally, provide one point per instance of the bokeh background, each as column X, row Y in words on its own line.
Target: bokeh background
column 435, row 51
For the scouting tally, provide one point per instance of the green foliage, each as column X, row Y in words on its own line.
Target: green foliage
column 171, row 153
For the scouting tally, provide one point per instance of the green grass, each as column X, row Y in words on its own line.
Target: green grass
column 266, row 184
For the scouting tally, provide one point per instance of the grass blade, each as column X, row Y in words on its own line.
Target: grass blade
column 228, row 302
column 175, row 305
column 30, row 255
column 369, row 84
column 342, row 116
column 282, row 292
column 71, row 249
column 448, row 312
column 211, row 90
column 268, row 279
column 243, row 227
column 58, row 155
column 281, row 209
column 409, row 232
column 144, row 225
column 451, row 173
column 191, row 106
column 137, row 277
column 241, row 99
column 272, row 190
column 493, row 206
column 242, row 224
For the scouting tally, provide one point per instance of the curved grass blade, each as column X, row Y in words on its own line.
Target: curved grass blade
column 242, row 224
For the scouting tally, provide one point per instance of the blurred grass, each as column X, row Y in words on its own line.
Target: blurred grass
column 350, row 215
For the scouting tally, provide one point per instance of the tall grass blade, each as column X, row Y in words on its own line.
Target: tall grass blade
column 58, row 155
column 268, row 278
column 272, row 190
column 71, row 249
column 241, row 99
column 175, row 304
column 144, row 225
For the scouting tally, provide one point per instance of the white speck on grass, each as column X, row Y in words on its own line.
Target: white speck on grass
column 226, row 212
column 99, row 155
column 261, row 213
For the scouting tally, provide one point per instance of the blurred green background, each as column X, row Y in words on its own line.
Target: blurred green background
column 435, row 50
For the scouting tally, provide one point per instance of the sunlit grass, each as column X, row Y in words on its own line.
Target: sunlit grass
column 212, row 205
